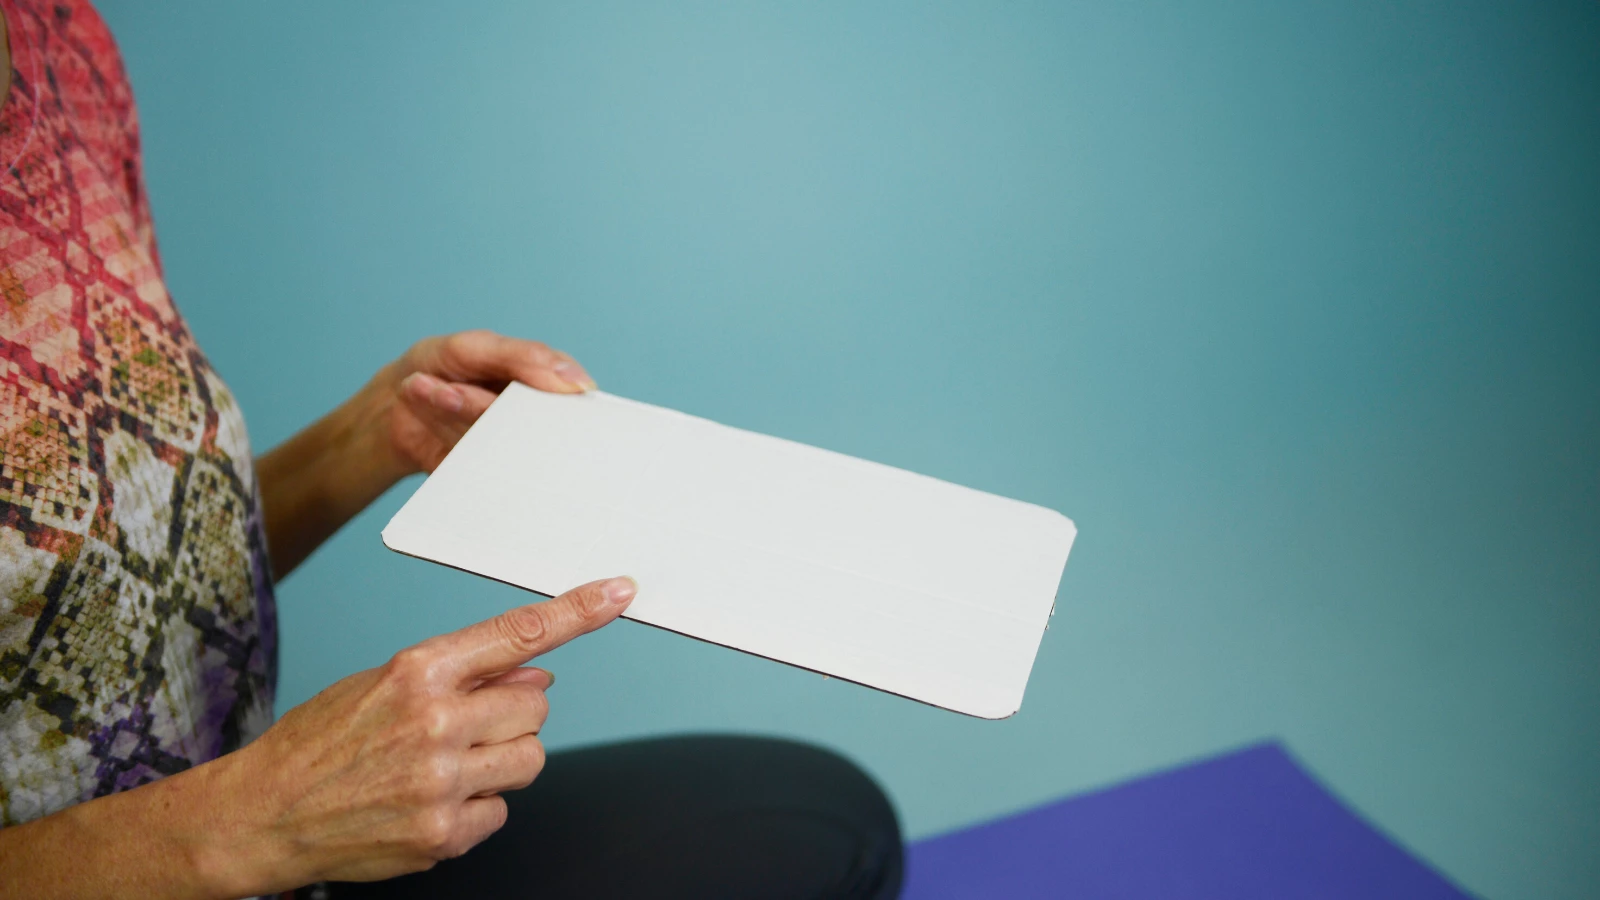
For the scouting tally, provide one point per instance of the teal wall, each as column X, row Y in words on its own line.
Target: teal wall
column 1294, row 307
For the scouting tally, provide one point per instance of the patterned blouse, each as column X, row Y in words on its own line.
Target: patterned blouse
column 137, row 629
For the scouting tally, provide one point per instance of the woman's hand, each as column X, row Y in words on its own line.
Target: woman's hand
column 443, row 384
column 395, row 768
column 404, row 421
column 385, row 772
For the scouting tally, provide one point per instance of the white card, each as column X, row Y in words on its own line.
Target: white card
column 869, row 573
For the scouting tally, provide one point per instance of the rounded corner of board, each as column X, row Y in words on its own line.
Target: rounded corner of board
column 389, row 540
column 998, row 716
column 992, row 712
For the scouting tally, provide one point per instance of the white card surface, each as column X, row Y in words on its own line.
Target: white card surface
column 858, row 570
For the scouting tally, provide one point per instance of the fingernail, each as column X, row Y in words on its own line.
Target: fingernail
column 549, row 678
column 573, row 374
column 619, row 590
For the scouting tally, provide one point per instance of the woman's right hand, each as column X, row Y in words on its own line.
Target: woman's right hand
column 395, row 768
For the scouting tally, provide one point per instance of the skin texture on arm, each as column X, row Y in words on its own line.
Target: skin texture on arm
column 404, row 421
column 383, row 773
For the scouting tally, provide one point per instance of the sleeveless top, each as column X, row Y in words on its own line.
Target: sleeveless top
column 137, row 632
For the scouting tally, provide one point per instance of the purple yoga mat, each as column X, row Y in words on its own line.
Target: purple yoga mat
column 1251, row 824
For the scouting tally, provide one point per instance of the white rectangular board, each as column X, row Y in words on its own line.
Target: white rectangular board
column 862, row 571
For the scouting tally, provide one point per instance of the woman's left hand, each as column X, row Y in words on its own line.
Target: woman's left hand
column 404, row 421
column 443, row 384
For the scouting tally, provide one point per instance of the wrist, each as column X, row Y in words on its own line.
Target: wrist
column 363, row 438
column 317, row 480
column 229, row 846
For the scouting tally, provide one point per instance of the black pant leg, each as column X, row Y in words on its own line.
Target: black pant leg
column 684, row 817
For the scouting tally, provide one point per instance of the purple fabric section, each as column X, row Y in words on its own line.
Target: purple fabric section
column 1251, row 824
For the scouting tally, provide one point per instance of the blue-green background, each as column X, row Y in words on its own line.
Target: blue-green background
column 1294, row 307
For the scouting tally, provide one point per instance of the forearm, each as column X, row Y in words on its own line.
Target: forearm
column 180, row 837
column 319, row 479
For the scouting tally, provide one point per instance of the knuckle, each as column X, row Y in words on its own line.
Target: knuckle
column 533, row 761
column 541, row 705
column 525, row 627
column 413, row 665
column 434, row 831
column 494, row 820
column 523, row 762
column 421, row 349
column 436, row 778
column 590, row 600
column 463, row 344
column 433, row 719
column 501, row 813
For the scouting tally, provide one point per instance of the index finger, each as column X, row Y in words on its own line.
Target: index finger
column 518, row 635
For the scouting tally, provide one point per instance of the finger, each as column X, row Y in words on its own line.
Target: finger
column 518, row 635
column 503, row 711
column 489, row 358
column 540, row 678
column 447, row 408
column 479, row 817
column 568, row 370
column 506, row 766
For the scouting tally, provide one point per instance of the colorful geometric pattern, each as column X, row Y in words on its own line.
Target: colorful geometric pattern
column 137, row 632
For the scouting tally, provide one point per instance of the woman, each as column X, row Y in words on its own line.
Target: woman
column 139, row 544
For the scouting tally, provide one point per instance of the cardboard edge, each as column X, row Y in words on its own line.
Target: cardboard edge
column 991, row 718
column 1067, row 525
column 384, row 536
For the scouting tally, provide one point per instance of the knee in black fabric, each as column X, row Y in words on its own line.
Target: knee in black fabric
column 724, row 816
column 699, row 817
